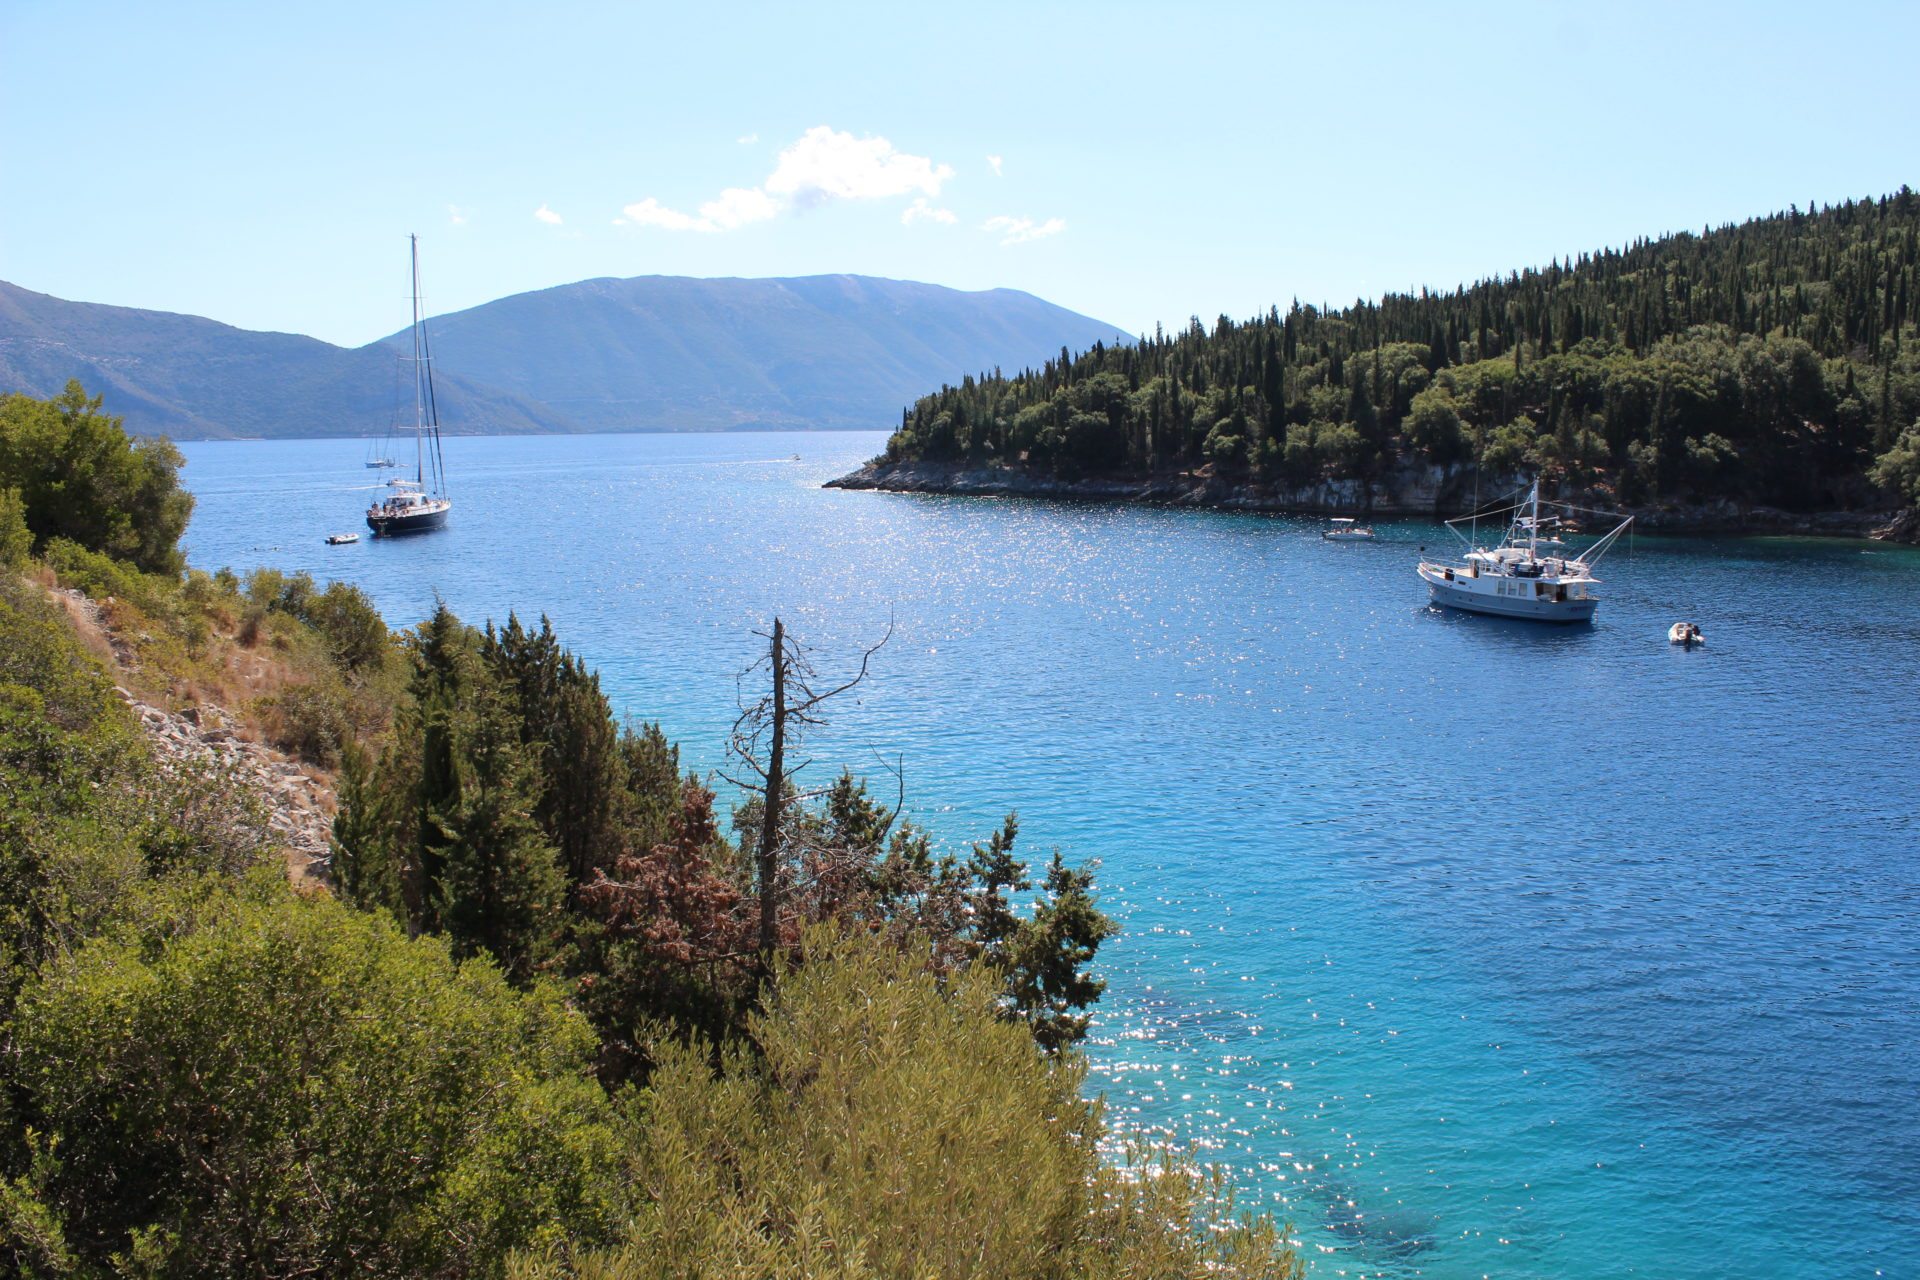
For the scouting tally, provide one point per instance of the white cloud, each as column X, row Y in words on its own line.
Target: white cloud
column 920, row 208
column 737, row 206
column 456, row 215
column 747, row 140
column 824, row 165
column 995, row 162
column 1021, row 230
column 651, row 213
column 547, row 216
column 821, row 166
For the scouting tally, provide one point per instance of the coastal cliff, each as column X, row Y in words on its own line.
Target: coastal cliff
column 1429, row 491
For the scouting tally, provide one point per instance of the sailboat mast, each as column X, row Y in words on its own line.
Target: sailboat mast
column 1533, row 524
column 419, row 370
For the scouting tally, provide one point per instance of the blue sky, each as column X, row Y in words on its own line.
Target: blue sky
column 262, row 164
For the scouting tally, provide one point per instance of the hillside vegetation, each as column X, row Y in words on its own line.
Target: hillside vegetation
column 524, row 1026
column 1771, row 362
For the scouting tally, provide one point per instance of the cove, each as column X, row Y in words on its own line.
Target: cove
column 1471, row 946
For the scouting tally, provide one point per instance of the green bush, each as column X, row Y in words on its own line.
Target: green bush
column 888, row 1128
column 101, row 576
column 80, row 476
column 1898, row 469
column 257, row 1083
column 312, row 721
column 16, row 540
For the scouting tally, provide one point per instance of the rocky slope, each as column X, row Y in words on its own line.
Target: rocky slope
column 298, row 798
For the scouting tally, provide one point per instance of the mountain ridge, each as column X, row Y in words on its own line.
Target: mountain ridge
column 789, row 351
column 609, row 353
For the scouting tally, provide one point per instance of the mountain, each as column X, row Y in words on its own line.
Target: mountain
column 671, row 352
column 654, row 352
column 198, row 379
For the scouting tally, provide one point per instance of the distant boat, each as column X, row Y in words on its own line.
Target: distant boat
column 1685, row 633
column 341, row 539
column 380, row 447
column 1345, row 529
column 421, row 503
column 1513, row 579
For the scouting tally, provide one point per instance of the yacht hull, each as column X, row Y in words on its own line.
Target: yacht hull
column 1472, row 601
column 386, row 526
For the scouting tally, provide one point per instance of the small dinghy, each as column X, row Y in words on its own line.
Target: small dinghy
column 339, row 539
column 1345, row 529
column 1685, row 633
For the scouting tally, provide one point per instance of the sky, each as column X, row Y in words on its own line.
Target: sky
column 1142, row 164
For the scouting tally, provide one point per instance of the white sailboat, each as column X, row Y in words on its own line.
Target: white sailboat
column 1514, row 579
column 421, row 503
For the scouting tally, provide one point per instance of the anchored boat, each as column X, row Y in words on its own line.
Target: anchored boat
column 1514, row 579
column 1346, row 529
column 421, row 503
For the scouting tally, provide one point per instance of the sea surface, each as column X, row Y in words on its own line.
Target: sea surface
column 1474, row 947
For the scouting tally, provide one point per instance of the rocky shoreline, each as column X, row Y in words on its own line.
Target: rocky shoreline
column 1428, row 491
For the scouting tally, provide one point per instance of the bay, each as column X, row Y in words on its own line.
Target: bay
column 1472, row 947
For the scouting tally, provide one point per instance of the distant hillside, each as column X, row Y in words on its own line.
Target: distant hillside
column 685, row 354
column 198, row 379
column 654, row 352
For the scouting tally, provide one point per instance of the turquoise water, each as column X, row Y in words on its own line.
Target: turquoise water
column 1474, row 947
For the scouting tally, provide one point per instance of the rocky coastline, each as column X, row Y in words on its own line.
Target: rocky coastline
column 1415, row 491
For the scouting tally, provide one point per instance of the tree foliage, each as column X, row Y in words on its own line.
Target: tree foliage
column 256, row 1083
column 80, row 476
column 885, row 1122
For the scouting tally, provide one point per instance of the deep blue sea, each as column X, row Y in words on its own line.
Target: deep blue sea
column 1476, row 948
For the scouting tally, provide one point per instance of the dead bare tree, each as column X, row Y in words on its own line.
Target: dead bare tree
column 766, row 730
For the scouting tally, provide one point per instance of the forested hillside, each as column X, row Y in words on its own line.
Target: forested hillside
column 1771, row 362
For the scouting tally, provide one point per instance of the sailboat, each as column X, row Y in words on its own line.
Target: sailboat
column 380, row 447
column 1513, row 579
column 421, row 503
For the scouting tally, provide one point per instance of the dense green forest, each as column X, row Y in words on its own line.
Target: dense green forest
column 1771, row 362
column 532, row 1023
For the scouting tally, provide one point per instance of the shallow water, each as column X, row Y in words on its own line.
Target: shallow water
column 1475, row 947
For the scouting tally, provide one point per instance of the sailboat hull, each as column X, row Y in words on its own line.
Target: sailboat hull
column 390, row 526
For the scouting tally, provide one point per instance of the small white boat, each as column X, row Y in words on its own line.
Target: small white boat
column 1685, row 633
column 1346, row 529
column 341, row 539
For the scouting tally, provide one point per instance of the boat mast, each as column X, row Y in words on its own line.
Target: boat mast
column 419, row 372
column 1533, row 522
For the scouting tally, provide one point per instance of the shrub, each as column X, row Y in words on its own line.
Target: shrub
column 312, row 721
column 256, row 1083
column 101, row 576
column 16, row 541
column 81, row 477
column 890, row 1128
